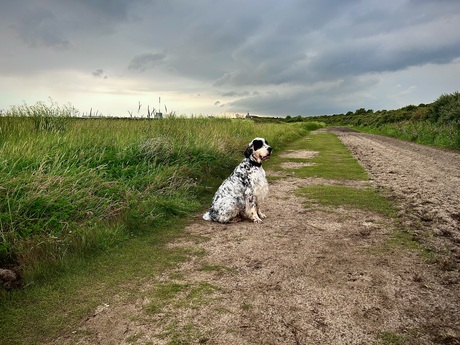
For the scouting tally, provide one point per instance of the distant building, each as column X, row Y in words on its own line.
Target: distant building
column 158, row 116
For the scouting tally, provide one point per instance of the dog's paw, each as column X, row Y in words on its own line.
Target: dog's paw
column 258, row 220
column 262, row 215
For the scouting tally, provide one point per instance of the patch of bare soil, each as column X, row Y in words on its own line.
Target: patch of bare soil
column 302, row 154
column 295, row 165
column 307, row 275
column 299, row 154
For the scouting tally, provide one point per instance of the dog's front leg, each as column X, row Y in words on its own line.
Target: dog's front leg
column 252, row 211
column 256, row 218
column 259, row 212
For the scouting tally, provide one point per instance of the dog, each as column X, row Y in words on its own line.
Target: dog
column 242, row 192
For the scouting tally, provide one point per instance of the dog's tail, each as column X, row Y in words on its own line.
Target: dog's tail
column 206, row 216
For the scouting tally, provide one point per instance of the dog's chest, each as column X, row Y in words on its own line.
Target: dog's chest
column 259, row 181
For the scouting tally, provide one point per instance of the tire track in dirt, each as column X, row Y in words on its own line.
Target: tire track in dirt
column 425, row 180
column 305, row 276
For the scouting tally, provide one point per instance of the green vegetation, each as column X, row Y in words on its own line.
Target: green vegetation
column 41, row 311
column 333, row 161
column 405, row 239
column 392, row 338
column 74, row 186
column 78, row 195
column 362, row 198
column 436, row 124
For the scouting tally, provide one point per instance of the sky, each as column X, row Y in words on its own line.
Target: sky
column 222, row 57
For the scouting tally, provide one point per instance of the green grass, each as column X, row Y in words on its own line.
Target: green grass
column 361, row 198
column 391, row 338
column 421, row 132
column 436, row 124
column 404, row 239
column 41, row 311
column 334, row 161
column 169, row 297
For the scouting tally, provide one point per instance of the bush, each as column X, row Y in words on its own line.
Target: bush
column 446, row 109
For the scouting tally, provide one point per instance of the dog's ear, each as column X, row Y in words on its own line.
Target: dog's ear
column 248, row 151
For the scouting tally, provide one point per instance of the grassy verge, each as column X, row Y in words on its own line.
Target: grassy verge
column 41, row 312
column 362, row 198
column 333, row 160
column 435, row 124
column 421, row 132
column 86, row 207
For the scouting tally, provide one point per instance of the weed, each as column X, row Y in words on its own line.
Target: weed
column 404, row 239
column 246, row 306
column 391, row 338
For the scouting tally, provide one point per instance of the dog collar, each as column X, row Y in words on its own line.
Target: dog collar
column 255, row 163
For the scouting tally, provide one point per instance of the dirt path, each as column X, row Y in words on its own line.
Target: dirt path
column 425, row 180
column 310, row 275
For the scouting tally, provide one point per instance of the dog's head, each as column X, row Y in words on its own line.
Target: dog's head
column 259, row 150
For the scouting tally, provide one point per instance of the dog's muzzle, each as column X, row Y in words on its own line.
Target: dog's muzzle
column 264, row 158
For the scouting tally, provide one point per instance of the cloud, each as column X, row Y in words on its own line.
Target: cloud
column 99, row 73
column 267, row 57
column 146, row 61
column 39, row 27
column 233, row 93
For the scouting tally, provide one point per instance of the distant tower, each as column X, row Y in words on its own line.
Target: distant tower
column 159, row 114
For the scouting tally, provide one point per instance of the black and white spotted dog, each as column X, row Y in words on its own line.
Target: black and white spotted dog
column 242, row 192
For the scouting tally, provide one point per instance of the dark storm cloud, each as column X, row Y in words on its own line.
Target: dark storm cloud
column 39, row 26
column 350, row 39
column 56, row 24
column 270, row 56
column 109, row 9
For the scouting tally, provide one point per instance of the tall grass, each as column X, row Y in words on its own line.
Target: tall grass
column 93, row 183
column 422, row 132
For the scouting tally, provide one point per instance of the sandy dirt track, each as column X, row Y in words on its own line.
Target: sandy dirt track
column 314, row 275
column 425, row 180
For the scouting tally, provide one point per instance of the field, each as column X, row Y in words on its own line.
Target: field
column 74, row 187
column 349, row 252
